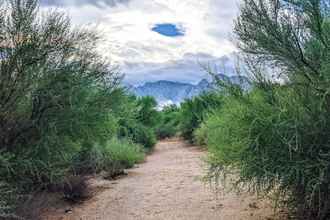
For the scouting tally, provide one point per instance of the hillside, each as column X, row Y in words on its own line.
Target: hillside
column 170, row 92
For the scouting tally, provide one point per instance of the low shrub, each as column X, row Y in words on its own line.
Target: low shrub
column 75, row 188
column 279, row 136
column 145, row 136
column 166, row 131
column 137, row 121
column 168, row 126
column 125, row 152
column 90, row 159
column 8, row 201
column 200, row 135
column 274, row 142
column 194, row 111
column 112, row 157
column 61, row 103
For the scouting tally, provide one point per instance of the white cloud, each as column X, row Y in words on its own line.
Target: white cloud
column 130, row 42
column 190, row 69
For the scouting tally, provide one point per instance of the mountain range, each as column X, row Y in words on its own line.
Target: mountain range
column 170, row 92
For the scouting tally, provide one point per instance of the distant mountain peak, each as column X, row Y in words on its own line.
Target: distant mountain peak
column 170, row 92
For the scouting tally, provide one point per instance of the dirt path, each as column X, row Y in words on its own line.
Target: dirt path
column 167, row 187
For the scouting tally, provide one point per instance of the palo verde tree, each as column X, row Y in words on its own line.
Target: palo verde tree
column 56, row 96
column 282, row 131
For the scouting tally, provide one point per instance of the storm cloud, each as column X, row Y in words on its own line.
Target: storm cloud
column 143, row 52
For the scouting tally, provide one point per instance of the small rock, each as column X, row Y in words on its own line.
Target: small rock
column 68, row 211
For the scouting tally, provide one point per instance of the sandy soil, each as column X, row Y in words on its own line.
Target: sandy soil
column 167, row 187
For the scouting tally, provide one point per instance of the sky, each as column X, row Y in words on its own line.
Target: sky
column 154, row 40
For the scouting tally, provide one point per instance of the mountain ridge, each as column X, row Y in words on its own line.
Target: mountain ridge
column 168, row 92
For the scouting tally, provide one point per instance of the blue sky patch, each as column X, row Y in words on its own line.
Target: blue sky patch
column 168, row 30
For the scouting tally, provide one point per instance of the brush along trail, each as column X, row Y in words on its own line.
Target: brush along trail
column 168, row 186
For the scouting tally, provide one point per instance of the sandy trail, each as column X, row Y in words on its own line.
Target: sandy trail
column 167, row 187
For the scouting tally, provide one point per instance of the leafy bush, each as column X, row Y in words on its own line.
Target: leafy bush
column 113, row 156
column 169, row 122
column 166, row 131
column 276, row 137
column 194, row 111
column 56, row 94
column 125, row 152
column 75, row 188
column 200, row 135
column 8, row 200
column 145, row 136
column 137, row 121
column 61, row 102
column 275, row 144
column 147, row 113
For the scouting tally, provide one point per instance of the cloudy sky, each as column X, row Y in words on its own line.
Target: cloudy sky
column 158, row 39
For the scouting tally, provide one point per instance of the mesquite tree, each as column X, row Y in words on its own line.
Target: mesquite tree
column 42, row 60
column 292, row 36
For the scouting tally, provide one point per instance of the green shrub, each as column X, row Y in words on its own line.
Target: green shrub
column 200, row 135
column 50, row 107
column 274, row 142
column 194, row 111
column 144, row 136
column 277, row 136
column 166, row 131
column 147, row 113
column 228, row 133
column 90, row 159
column 125, row 152
column 168, row 125
column 8, row 201
column 137, row 121
column 75, row 188
column 60, row 104
column 112, row 156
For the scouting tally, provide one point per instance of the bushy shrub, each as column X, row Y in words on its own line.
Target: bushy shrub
column 274, row 142
column 90, row 159
column 61, row 102
column 125, row 152
column 137, row 121
column 276, row 136
column 8, row 201
column 194, row 111
column 165, row 131
column 147, row 113
column 112, row 156
column 145, row 136
column 56, row 94
column 201, row 135
column 75, row 188
column 168, row 125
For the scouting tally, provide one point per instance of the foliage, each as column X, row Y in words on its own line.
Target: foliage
column 274, row 143
column 169, row 122
column 125, row 152
column 137, row 121
column 75, row 188
column 112, row 157
column 194, row 111
column 200, row 135
column 8, row 200
column 145, row 136
column 61, row 104
column 56, row 93
column 147, row 113
column 276, row 136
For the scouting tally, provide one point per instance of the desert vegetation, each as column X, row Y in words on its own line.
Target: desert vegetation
column 63, row 111
column 274, row 138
